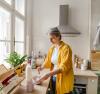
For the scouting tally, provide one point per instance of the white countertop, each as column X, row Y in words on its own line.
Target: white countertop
column 87, row 73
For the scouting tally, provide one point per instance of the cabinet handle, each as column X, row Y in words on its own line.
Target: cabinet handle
column 92, row 81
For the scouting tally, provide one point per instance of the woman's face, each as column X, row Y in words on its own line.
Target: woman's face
column 54, row 39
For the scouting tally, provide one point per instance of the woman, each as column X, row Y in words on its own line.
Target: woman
column 59, row 60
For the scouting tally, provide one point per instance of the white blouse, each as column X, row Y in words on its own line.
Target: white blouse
column 54, row 58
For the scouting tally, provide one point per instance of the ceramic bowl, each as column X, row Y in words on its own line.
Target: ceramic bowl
column 35, row 79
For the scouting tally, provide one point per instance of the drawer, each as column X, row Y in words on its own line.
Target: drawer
column 81, row 80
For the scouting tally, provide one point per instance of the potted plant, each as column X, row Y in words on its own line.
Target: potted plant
column 15, row 60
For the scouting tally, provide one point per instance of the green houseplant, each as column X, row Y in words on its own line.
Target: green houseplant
column 15, row 60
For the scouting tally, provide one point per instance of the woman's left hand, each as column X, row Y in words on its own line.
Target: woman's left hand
column 46, row 76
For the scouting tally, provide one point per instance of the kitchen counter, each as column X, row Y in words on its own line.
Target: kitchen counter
column 97, row 72
column 86, row 73
column 38, row 89
column 81, row 77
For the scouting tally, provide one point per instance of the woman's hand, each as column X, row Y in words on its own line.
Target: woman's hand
column 46, row 76
column 43, row 78
column 39, row 69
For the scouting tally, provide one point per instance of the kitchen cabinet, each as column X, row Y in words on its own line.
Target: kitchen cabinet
column 98, row 74
column 86, row 81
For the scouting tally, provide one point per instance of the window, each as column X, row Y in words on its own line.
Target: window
column 19, row 35
column 8, row 1
column 19, row 47
column 12, row 24
column 4, row 50
column 5, row 24
column 5, row 34
column 20, row 6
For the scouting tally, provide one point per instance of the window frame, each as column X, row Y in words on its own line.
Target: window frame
column 14, row 13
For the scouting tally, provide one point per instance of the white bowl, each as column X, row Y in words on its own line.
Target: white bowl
column 35, row 79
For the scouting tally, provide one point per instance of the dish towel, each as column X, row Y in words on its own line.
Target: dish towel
column 96, row 42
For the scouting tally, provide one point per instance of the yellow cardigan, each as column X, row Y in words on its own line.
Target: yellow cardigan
column 64, row 80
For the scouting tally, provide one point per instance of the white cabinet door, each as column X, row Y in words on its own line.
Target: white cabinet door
column 92, row 86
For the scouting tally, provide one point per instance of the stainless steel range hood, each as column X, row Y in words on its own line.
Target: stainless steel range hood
column 64, row 27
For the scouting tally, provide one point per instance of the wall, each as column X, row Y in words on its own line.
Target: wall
column 46, row 15
column 28, row 27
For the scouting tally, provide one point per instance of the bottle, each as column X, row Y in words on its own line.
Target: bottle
column 29, row 76
column 33, row 62
column 39, row 55
column 40, row 59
